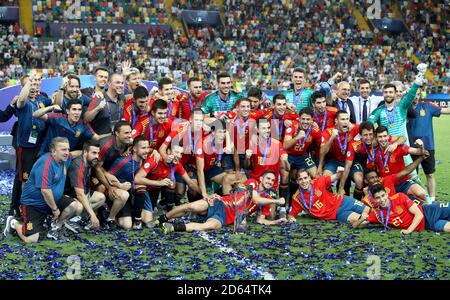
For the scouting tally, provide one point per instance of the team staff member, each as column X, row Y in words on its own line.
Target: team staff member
column 43, row 194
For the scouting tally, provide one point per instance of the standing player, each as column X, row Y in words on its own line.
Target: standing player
column 221, row 101
column 158, row 125
column 106, row 109
column 299, row 96
column 192, row 100
column 136, row 108
column 67, row 125
column 168, row 93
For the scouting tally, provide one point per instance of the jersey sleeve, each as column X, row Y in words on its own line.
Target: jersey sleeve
column 179, row 169
column 52, row 118
column 408, row 99
column 350, row 153
column 435, row 110
column 94, row 103
column 325, row 137
column 138, row 130
column 149, row 165
column 296, row 207
column 45, row 181
column 375, row 115
column 404, row 149
column 76, row 175
column 88, row 132
column 372, row 217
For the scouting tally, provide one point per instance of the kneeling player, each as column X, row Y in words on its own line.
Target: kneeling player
column 220, row 211
column 400, row 212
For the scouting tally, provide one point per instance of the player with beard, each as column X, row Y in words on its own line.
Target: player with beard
column 257, row 99
column 125, row 169
column 101, row 75
column 133, row 79
column 192, row 100
column 70, row 90
column 335, row 143
column 79, row 187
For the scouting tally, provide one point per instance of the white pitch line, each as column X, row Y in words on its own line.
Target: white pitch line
column 239, row 258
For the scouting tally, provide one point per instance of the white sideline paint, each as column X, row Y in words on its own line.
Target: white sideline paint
column 237, row 257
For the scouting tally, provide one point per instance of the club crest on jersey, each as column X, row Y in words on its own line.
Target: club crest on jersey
column 41, row 104
column 77, row 134
column 398, row 210
column 161, row 133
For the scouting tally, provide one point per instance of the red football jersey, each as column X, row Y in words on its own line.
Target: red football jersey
column 211, row 155
column 132, row 117
column 240, row 130
column 230, row 213
column 173, row 108
column 189, row 143
column 324, row 203
column 336, row 153
column 267, row 157
column 389, row 183
column 265, row 210
column 277, row 122
column 329, row 116
column 159, row 170
column 394, row 161
column 156, row 133
column 302, row 146
column 399, row 216
column 188, row 103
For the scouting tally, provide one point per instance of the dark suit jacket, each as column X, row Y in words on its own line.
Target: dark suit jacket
column 350, row 106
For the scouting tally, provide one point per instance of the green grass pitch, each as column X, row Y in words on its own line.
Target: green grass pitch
column 311, row 249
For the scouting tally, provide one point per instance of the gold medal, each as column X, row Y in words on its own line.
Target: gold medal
column 391, row 125
column 219, row 164
column 34, row 127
